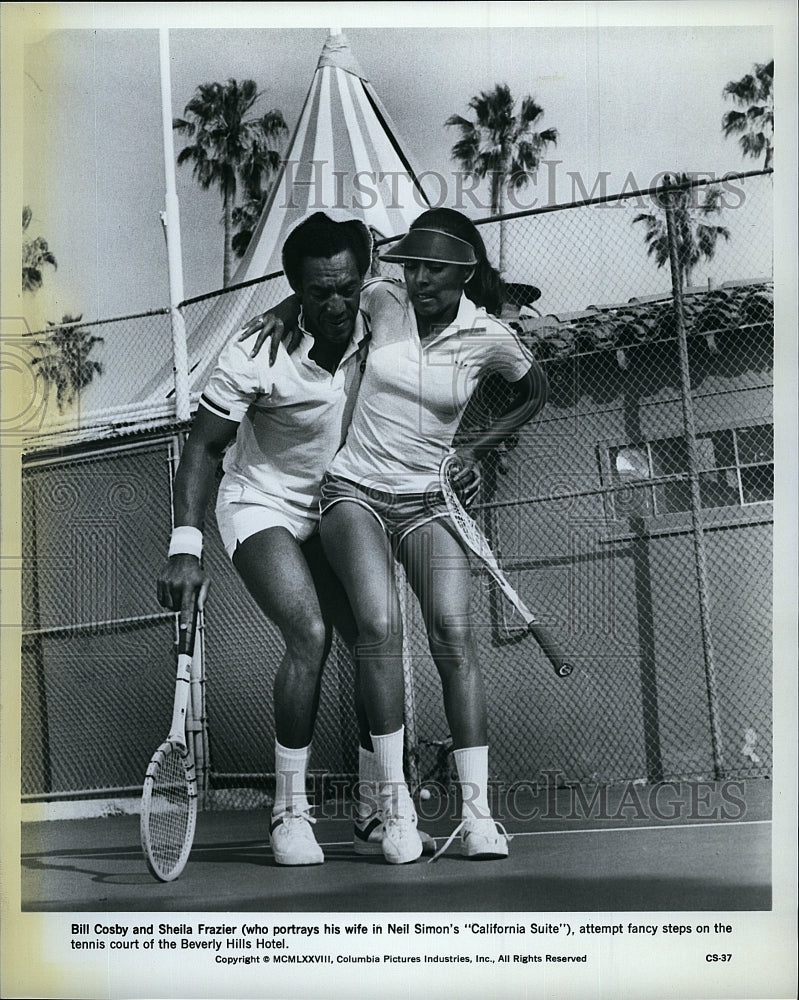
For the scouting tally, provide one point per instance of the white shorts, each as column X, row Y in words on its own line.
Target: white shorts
column 237, row 519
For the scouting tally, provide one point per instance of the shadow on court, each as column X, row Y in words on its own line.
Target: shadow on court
column 619, row 861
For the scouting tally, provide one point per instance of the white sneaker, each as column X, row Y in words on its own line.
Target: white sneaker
column 401, row 841
column 367, row 836
column 292, row 839
column 481, row 839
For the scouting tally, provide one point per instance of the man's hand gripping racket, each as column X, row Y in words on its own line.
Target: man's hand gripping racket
column 477, row 542
column 169, row 797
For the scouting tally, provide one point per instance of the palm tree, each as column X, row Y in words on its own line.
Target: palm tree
column 501, row 145
column 229, row 148
column 755, row 125
column 65, row 361
column 245, row 218
column 696, row 235
column 35, row 254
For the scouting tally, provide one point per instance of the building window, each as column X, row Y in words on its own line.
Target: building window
column 736, row 468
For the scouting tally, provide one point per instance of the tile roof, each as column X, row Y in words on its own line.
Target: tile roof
column 644, row 319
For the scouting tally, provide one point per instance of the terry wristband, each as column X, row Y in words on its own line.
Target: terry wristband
column 186, row 540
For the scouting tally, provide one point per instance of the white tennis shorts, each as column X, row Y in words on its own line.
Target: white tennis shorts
column 239, row 516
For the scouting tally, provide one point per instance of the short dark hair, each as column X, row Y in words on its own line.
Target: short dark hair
column 320, row 236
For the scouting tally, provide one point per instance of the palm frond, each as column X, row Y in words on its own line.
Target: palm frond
column 458, row 121
column 732, row 122
column 707, row 237
column 32, row 279
column 549, row 136
column 753, row 144
column 743, row 91
column 754, row 125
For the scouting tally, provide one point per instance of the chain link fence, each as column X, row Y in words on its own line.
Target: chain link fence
column 96, row 375
column 634, row 515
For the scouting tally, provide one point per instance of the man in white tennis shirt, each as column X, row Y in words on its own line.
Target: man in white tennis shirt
column 286, row 422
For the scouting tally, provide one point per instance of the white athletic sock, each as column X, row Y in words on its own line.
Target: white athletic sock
column 290, row 770
column 472, row 765
column 367, row 800
column 388, row 757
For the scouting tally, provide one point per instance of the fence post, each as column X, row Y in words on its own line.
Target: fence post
column 171, row 222
column 689, row 428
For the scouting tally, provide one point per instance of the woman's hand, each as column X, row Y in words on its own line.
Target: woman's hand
column 279, row 325
column 181, row 582
column 269, row 327
column 467, row 477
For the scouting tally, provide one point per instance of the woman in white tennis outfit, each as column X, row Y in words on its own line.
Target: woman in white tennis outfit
column 432, row 340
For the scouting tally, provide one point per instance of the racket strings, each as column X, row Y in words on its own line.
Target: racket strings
column 169, row 814
column 466, row 525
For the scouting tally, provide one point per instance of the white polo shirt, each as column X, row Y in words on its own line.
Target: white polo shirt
column 294, row 417
column 414, row 393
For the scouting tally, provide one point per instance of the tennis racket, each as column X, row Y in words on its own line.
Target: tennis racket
column 169, row 797
column 477, row 542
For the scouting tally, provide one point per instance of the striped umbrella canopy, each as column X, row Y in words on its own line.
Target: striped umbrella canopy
column 344, row 155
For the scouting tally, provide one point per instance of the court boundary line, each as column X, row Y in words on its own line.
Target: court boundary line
column 540, row 833
column 611, row 829
column 257, row 844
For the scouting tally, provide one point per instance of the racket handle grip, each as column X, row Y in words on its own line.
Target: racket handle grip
column 552, row 650
column 187, row 630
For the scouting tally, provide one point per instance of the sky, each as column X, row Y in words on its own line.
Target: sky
column 633, row 98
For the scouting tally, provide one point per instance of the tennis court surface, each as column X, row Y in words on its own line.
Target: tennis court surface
column 713, row 854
